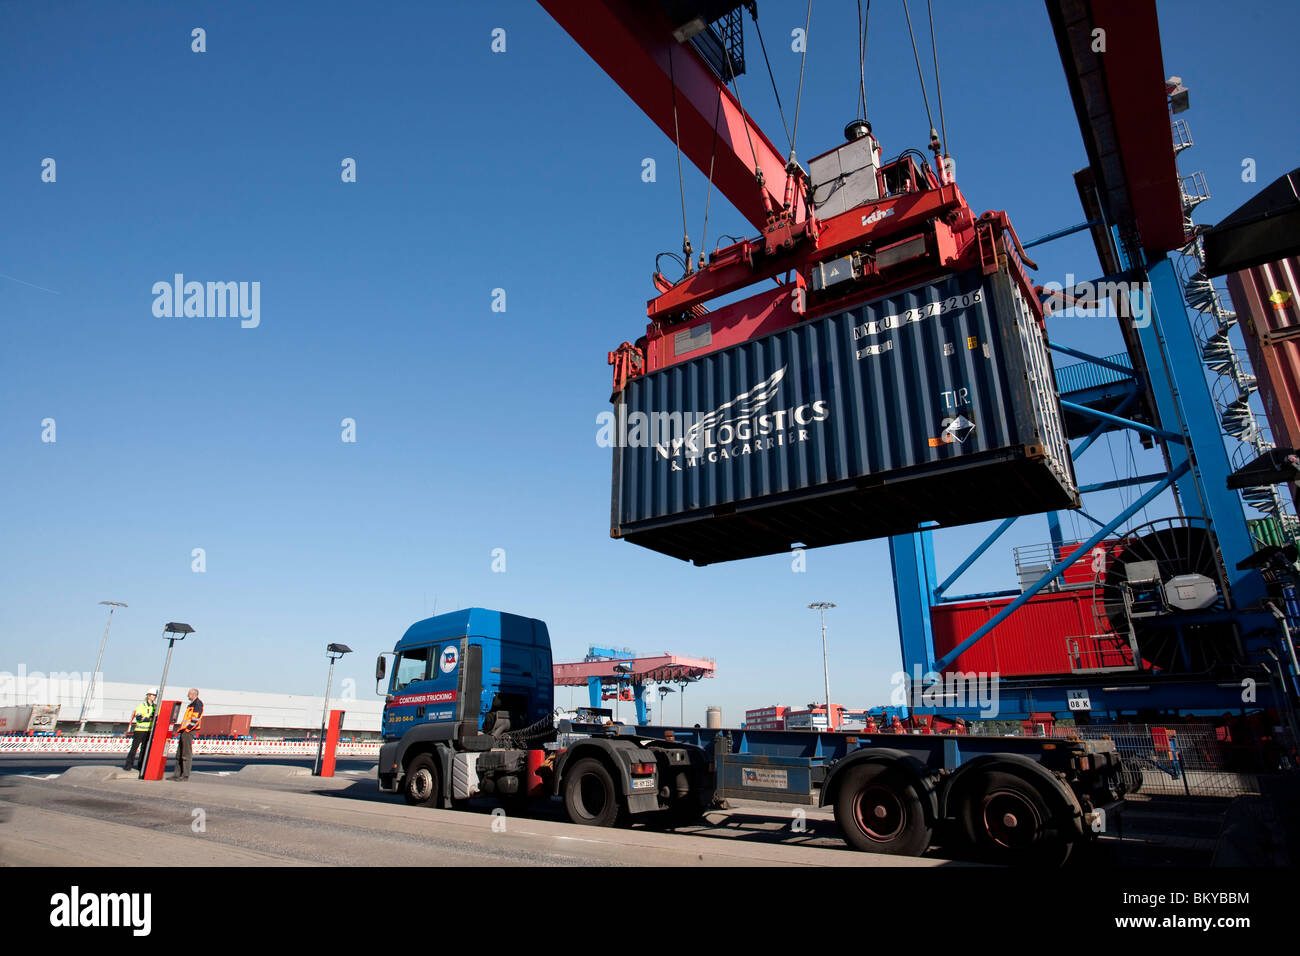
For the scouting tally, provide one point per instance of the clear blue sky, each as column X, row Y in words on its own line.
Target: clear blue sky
column 476, row 429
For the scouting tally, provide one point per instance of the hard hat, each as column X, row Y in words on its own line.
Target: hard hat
column 151, row 692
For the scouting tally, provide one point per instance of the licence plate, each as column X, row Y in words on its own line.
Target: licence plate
column 643, row 783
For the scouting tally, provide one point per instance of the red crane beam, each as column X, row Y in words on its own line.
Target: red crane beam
column 664, row 667
column 632, row 42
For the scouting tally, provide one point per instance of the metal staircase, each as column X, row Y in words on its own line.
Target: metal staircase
column 1235, row 382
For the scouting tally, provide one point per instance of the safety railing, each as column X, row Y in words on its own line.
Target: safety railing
column 1190, row 760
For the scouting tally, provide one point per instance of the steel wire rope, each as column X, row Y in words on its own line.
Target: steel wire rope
column 916, row 56
column 862, row 58
column 681, row 179
column 938, row 85
column 803, row 58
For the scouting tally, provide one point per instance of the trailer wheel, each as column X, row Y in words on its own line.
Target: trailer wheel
column 1131, row 768
column 1009, row 819
column 421, row 786
column 590, row 797
column 879, row 811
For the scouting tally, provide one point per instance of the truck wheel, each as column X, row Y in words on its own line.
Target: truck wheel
column 590, row 797
column 879, row 811
column 421, row 786
column 1009, row 819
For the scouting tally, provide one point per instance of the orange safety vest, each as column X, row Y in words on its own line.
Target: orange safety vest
column 191, row 719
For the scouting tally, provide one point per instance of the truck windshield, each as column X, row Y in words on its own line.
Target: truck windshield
column 412, row 665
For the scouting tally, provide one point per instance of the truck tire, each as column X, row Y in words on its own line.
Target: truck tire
column 590, row 797
column 1012, row 820
column 879, row 811
column 421, row 786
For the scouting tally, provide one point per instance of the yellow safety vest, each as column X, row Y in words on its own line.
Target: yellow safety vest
column 144, row 717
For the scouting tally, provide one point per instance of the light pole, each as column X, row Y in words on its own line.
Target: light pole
column 81, row 721
column 821, row 607
column 333, row 652
column 178, row 632
column 682, row 700
column 664, row 691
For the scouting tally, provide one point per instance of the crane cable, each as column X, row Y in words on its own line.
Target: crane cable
column 681, row 179
column 803, row 58
column 943, row 125
column 920, row 78
column 862, row 59
column 704, row 239
column 770, row 75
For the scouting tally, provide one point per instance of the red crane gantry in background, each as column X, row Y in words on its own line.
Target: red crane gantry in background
column 634, row 671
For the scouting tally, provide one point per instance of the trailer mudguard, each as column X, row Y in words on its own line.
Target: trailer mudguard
column 1013, row 763
column 614, row 751
column 921, row 776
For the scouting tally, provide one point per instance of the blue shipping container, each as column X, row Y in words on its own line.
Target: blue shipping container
column 933, row 404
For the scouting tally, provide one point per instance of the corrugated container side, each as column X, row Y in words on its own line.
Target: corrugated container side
column 936, row 403
column 226, row 725
column 1267, row 300
column 15, row 720
column 1034, row 640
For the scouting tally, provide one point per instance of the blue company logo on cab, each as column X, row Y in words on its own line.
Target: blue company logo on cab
column 447, row 662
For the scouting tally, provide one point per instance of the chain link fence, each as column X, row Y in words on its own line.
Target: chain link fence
column 1191, row 760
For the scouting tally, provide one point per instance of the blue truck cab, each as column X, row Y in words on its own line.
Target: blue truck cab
column 468, row 713
column 449, row 671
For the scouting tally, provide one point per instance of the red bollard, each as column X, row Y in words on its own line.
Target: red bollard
column 331, row 743
column 533, row 779
column 155, row 764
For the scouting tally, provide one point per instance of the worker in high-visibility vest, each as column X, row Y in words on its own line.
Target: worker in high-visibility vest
column 141, row 722
column 190, row 721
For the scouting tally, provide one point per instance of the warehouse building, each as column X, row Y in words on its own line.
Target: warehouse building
column 274, row 716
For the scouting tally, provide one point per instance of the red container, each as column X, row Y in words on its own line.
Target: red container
column 1055, row 633
column 226, row 725
column 1087, row 571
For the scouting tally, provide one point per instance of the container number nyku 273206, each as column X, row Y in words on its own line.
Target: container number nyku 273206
column 885, row 323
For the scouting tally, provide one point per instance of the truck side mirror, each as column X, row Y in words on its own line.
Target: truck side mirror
column 381, row 667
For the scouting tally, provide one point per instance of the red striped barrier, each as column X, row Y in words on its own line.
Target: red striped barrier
column 249, row 748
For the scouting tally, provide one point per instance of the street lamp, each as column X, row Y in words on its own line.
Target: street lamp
column 333, row 652
column 821, row 607
column 173, row 632
column 664, row 691
column 81, row 721
column 682, row 700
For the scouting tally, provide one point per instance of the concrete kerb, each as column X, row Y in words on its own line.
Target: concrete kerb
column 95, row 773
column 271, row 772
